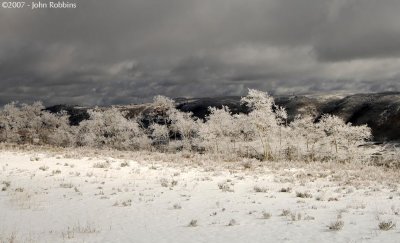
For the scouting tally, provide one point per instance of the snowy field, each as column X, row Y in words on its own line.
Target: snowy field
column 53, row 195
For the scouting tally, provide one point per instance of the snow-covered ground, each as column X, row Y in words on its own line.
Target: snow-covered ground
column 50, row 195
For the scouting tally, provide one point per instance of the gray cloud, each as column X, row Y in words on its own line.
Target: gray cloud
column 360, row 29
column 126, row 51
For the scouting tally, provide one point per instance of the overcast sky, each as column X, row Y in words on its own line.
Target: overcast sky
column 126, row 51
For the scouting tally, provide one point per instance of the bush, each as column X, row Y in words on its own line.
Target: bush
column 263, row 133
column 110, row 129
column 32, row 124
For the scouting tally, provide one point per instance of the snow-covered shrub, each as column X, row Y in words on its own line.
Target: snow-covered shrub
column 163, row 107
column 159, row 134
column 306, row 136
column 33, row 124
column 185, row 126
column 111, row 129
column 264, row 121
column 330, row 138
column 10, row 123
column 245, row 140
column 163, row 103
column 57, row 130
column 21, row 124
column 181, row 125
column 219, row 133
column 343, row 138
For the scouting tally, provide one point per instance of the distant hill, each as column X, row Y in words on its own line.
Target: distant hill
column 381, row 111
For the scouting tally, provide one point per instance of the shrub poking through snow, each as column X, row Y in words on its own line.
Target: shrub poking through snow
column 225, row 187
column 177, row 206
column 286, row 212
column 303, row 194
column 43, row 168
column 6, row 185
column 193, row 223
column 386, row 225
column 124, row 164
column 66, row 185
column 336, row 225
column 100, row 165
column 266, row 215
column 232, row 222
column 285, row 189
column 260, row 189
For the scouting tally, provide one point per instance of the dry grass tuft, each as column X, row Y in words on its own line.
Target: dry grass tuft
column 266, row 215
column 43, row 168
column 260, row 189
column 232, row 222
column 101, row 165
column 304, row 195
column 177, row 206
column 285, row 189
column 66, row 185
column 225, row 187
column 336, row 225
column 125, row 164
column 193, row 223
column 79, row 229
column 386, row 225
column 286, row 212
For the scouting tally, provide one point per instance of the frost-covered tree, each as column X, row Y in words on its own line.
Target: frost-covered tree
column 263, row 120
column 31, row 117
column 330, row 138
column 90, row 132
column 306, row 136
column 185, row 125
column 159, row 134
column 110, row 128
column 333, row 127
column 355, row 136
column 163, row 103
column 222, row 131
column 163, row 107
column 342, row 137
column 244, row 130
column 33, row 124
column 10, row 123
column 56, row 130
column 180, row 124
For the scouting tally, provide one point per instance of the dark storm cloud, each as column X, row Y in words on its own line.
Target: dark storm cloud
column 360, row 29
column 125, row 51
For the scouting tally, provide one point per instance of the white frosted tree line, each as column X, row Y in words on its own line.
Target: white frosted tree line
column 263, row 133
